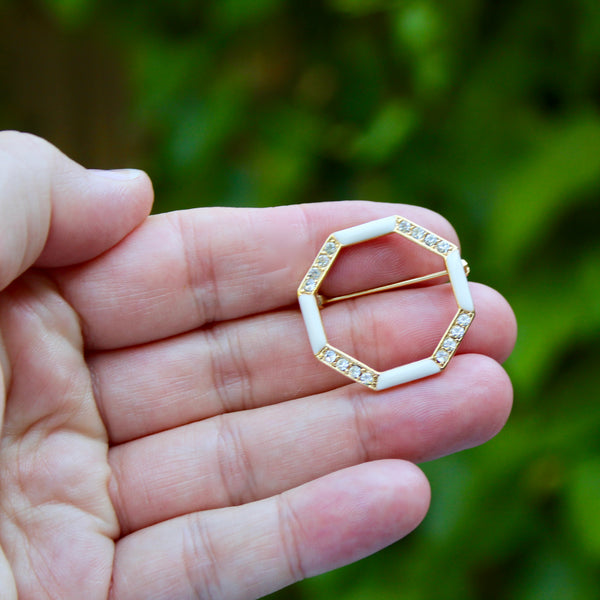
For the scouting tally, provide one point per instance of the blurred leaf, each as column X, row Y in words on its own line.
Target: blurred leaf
column 388, row 131
column 551, row 576
column 362, row 7
column 552, row 313
column 542, row 188
column 589, row 41
column 233, row 13
column 166, row 72
column 71, row 13
column 282, row 167
column 418, row 26
column 583, row 496
column 204, row 126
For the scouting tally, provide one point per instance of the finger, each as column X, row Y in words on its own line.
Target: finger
column 261, row 360
column 245, row 456
column 183, row 270
column 252, row 550
column 55, row 212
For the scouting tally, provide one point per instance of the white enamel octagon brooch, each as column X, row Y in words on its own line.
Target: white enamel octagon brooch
column 311, row 302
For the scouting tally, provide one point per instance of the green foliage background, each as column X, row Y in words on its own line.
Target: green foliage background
column 486, row 111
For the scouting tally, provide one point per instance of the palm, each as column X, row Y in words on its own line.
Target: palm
column 55, row 504
column 187, row 444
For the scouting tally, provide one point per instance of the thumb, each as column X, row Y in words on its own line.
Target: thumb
column 53, row 212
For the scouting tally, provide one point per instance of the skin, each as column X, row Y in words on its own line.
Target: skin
column 166, row 431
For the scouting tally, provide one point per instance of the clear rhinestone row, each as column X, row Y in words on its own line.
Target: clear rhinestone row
column 320, row 266
column 447, row 347
column 423, row 237
column 348, row 366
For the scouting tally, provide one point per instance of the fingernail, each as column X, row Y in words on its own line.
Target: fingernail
column 119, row 174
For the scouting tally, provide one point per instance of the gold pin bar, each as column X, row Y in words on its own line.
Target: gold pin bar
column 323, row 300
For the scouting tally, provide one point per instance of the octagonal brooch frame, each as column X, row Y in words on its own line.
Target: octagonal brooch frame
column 311, row 302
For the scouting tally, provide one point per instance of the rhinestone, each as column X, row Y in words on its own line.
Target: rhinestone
column 404, row 226
column 323, row 260
column 464, row 320
column 418, row 233
column 457, row 332
column 342, row 364
column 310, row 285
column 366, row 378
column 314, row 273
column 431, row 240
column 441, row 357
column 330, row 247
column 354, row 371
column 449, row 344
column 443, row 247
column 329, row 356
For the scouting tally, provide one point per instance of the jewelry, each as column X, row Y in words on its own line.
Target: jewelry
column 311, row 302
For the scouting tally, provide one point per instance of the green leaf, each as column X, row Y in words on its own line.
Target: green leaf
column 234, row 13
column 388, row 131
column 418, row 26
column 553, row 315
column 542, row 187
column 362, row 7
column 583, row 500
column 71, row 13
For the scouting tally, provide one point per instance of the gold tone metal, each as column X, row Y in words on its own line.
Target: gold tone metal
column 352, row 362
column 323, row 300
column 448, row 334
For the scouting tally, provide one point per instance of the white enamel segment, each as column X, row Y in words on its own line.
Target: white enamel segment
column 313, row 322
column 406, row 373
column 458, row 279
column 366, row 231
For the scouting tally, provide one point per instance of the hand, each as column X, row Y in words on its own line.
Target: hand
column 167, row 432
